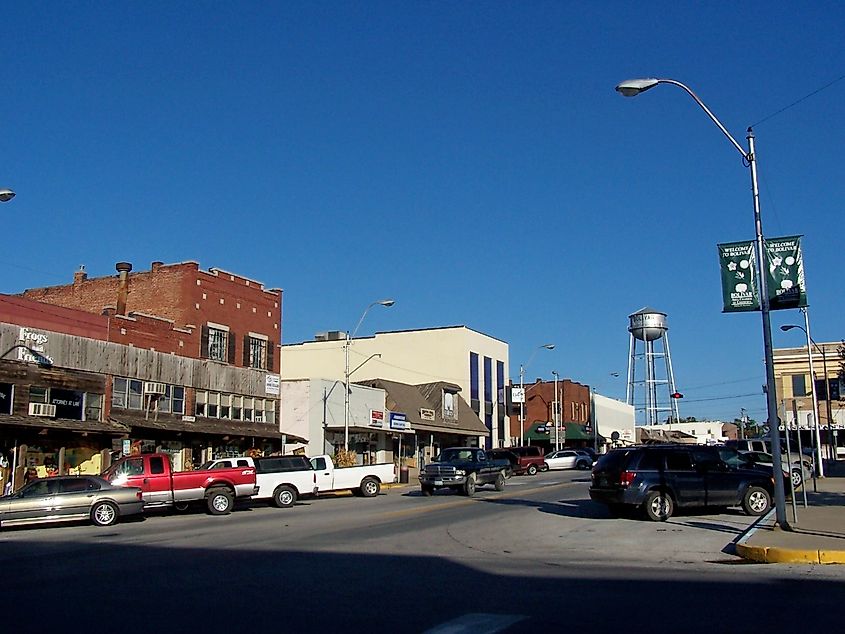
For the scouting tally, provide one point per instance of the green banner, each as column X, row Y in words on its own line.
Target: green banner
column 739, row 277
column 785, row 273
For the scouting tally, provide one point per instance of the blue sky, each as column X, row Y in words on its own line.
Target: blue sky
column 469, row 159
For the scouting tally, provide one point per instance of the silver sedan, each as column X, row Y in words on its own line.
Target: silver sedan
column 568, row 459
column 68, row 498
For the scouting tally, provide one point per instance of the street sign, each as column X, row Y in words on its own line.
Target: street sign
column 518, row 395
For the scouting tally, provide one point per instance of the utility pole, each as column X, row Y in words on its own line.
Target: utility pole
column 743, row 422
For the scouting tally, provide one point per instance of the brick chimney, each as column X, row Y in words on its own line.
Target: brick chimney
column 123, row 269
column 80, row 275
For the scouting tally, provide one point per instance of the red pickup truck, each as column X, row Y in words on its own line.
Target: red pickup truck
column 161, row 486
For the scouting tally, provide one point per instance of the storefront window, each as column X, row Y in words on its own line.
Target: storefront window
column 38, row 395
column 5, row 398
column 93, row 406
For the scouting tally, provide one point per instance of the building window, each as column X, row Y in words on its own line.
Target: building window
column 218, row 344
column 799, row 385
column 6, row 392
column 235, row 407
column 255, row 352
column 38, row 394
column 173, row 400
column 129, row 394
column 450, row 406
column 473, row 382
column 93, row 406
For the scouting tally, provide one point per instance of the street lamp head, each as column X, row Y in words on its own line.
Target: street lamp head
column 6, row 195
column 788, row 327
column 633, row 87
column 386, row 302
column 548, row 346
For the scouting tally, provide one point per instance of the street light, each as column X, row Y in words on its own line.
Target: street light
column 346, row 373
column 634, row 87
column 810, row 341
column 6, row 195
column 522, row 368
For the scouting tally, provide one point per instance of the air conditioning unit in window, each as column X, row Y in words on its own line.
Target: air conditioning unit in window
column 154, row 388
column 42, row 409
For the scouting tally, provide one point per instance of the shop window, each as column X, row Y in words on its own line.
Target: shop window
column 213, row 405
column 6, row 399
column 226, row 406
column 237, row 407
column 93, row 406
column 248, row 408
column 199, row 404
column 37, row 394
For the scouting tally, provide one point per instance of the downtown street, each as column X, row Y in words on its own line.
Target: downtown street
column 538, row 556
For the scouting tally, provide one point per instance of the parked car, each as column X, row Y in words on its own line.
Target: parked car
column 529, row 459
column 68, row 498
column 463, row 469
column 280, row 479
column 363, row 480
column 657, row 479
column 161, row 486
column 765, row 446
column 568, row 459
column 796, row 470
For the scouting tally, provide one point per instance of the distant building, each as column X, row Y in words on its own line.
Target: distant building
column 613, row 421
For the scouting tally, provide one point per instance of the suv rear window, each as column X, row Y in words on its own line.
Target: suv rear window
column 614, row 460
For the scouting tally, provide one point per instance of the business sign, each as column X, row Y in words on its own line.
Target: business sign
column 31, row 347
column 376, row 418
column 785, row 273
column 271, row 384
column 425, row 414
column 739, row 277
column 517, row 394
column 399, row 421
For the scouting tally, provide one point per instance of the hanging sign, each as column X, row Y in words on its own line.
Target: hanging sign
column 785, row 271
column 739, row 277
column 376, row 418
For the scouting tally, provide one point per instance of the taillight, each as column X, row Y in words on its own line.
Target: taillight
column 626, row 478
column 139, row 495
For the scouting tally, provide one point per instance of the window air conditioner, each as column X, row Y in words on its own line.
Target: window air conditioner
column 42, row 409
column 154, row 388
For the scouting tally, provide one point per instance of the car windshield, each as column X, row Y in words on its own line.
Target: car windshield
column 456, row 455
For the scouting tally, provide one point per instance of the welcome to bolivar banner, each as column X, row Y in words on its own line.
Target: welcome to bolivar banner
column 739, row 277
column 784, row 270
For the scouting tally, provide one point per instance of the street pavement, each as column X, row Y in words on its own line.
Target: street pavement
column 816, row 536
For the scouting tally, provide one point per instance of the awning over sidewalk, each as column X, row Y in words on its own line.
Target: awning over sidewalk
column 210, row 426
column 572, row 431
column 84, row 426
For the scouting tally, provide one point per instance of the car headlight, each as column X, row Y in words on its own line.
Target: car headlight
column 460, row 472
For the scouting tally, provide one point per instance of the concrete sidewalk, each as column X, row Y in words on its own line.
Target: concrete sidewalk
column 817, row 537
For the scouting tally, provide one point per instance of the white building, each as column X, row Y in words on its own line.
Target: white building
column 471, row 360
column 614, row 420
column 706, row 432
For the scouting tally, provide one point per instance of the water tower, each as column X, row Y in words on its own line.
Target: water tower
column 649, row 327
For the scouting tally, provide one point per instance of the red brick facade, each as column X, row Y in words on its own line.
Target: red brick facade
column 167, row 307
column 539, row 399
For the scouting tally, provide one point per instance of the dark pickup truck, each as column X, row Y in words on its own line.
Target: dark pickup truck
column 463, row 469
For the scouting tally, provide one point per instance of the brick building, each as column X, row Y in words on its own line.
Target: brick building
column 574, row 401
column 196, row 373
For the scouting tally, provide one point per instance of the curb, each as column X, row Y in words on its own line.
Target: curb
column 777, row 555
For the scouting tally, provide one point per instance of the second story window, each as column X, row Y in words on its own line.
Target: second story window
column 450, row 406
column 217, row 343
column 255, row 351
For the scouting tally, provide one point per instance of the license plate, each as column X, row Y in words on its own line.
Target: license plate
column 438, row 483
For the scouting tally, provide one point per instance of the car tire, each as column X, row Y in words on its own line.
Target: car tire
column 500, row 482
column 104, row 514
column 220, row 501
column 545, row 467
column 181, row 507
column 427, row 490
column 658, row 506
column 284, row 496
column 469, row 485
column 756, row 501
column 370, row 487
column 532, row 469
column 797, row 478
column 583, row 464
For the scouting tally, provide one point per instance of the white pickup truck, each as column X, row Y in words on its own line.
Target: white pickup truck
column 282, row 479
column 365, row 480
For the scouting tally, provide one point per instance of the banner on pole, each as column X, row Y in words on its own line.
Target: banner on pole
column 739, row 277
column 785, row 271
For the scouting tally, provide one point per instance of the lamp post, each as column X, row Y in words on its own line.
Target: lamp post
column 556, row 412
column 522, row 368
column 634, row 87
column 347, row 373
column 813, row 383
column 6, row 195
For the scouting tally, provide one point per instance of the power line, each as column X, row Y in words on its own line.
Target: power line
column 795, row 103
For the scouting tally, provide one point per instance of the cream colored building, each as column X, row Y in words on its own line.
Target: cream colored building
column 475, row 362
column 792, row 380
column 609, row 416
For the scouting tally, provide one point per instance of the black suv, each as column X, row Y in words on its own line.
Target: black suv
column 660, row 478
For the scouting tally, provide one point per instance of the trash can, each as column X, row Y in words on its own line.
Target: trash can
column 403, row 475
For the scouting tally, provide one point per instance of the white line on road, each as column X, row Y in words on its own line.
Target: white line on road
column 477, row 624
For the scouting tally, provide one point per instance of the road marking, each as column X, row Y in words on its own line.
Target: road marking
column 477, row 624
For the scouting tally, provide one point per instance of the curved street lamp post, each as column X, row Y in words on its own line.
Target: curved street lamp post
column 522, row 368
column 346, row 373
column 634, row 87
column 812, row 342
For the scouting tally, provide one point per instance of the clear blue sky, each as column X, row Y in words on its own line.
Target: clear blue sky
column 469, row 159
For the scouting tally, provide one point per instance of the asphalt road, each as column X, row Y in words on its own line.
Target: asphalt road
column 538, row 556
